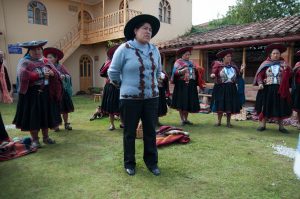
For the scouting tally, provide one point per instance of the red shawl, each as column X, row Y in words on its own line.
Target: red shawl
column 62, row 69
column 6, row 98
column 284, row 87
column 26, row 68
column 180, row 64
column 104, row 68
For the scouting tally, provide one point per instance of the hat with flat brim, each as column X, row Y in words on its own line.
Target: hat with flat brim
column 181, row 51
column 111, row 51
column 144, row 18
column 298, row 53
column 278, row 46
column 33, row 44
column 54, row 51
column 225, row 52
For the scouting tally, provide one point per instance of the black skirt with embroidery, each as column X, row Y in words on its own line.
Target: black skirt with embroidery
column 225, row 98
column 162, row 102
column 36, row 111
column 185, row 96
column 66, row 105
column 110, row 99
column 272, row 105
column 296, row 98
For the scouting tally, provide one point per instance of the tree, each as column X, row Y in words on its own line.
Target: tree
column 246, row 11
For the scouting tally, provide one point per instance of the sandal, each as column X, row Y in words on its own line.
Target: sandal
column 48, row 141
column 111, row 128
column 68, row 127
column 284, row 131
column 36, row 144
column 188, row 122
column 261, row 128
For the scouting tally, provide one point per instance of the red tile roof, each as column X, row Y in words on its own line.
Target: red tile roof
column 270, row 28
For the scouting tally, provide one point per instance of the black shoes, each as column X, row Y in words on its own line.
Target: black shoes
column 261, row 128
column 130, row 172
column 284, row 131
column 155, row 171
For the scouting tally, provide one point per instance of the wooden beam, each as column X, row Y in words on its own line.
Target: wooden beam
column 244, row 62
column 165, row 62
column 103, row 10
column 125, row 8
column 235, row 44
column 291, row 52
column 81, row 19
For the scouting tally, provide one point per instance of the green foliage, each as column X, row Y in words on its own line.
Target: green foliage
column 247, row 11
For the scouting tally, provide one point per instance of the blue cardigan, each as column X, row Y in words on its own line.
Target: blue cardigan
column 136, row 68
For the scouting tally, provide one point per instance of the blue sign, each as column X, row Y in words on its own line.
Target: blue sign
column 14, row 49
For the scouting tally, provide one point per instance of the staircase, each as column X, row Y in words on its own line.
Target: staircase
column 101, row 29
column 69, row 42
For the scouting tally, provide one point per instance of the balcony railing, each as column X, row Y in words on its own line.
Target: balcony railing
column 97, row 30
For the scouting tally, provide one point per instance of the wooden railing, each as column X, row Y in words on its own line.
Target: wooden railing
column 94, row 31
column 67, row 39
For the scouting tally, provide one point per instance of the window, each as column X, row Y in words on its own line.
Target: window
column 37, row 13
column 165, row 11
column 85, row 66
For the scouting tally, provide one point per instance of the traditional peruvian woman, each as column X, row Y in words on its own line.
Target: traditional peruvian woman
column 273, row 101
column 225, row 96
column 40, row 87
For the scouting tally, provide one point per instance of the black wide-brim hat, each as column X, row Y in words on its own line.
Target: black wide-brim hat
column 111, row 51
column 298, row 53
column 225, row 52
column 181, row 51
column 59, row 54
column 278, row 46
column 144, row 18
column 33, row 44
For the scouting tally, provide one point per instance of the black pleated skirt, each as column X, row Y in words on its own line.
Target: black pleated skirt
column 162, row 102
column 66, row 105
column 185, row 96
column 225, row 99
column 259, row 101
column 36, row 111
column 296, row 98
column 110, row 100
column 272, row 105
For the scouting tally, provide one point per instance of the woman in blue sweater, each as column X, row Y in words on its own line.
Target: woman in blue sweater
column 135, row 68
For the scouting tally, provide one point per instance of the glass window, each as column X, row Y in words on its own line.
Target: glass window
column 164, row 11
column 37, row 13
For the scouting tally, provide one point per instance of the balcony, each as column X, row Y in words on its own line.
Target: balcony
column 101, row 29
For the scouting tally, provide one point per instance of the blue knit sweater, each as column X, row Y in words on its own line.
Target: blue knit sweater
column 136, row 68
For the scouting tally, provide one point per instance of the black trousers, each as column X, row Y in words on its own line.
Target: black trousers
column 132, row 111
column 3, row 133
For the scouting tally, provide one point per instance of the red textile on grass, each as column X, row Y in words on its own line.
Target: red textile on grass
column 163, row 138
column 14, row 150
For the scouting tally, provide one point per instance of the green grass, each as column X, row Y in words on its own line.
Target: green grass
column 88, row 162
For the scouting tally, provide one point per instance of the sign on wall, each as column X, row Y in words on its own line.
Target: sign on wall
column 14, row 49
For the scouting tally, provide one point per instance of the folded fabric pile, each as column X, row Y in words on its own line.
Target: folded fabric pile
column 167, row 135
column 204, row 108
column 17, row 147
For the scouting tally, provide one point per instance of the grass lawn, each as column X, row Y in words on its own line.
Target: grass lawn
column 88, row 162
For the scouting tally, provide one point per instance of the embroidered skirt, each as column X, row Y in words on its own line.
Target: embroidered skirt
column 185, row 96
column 162, row 102
column 296, row 98
column 35, row 111
column 66, row 105
column 110, row 100
column 272, row 105
column 225, row 99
